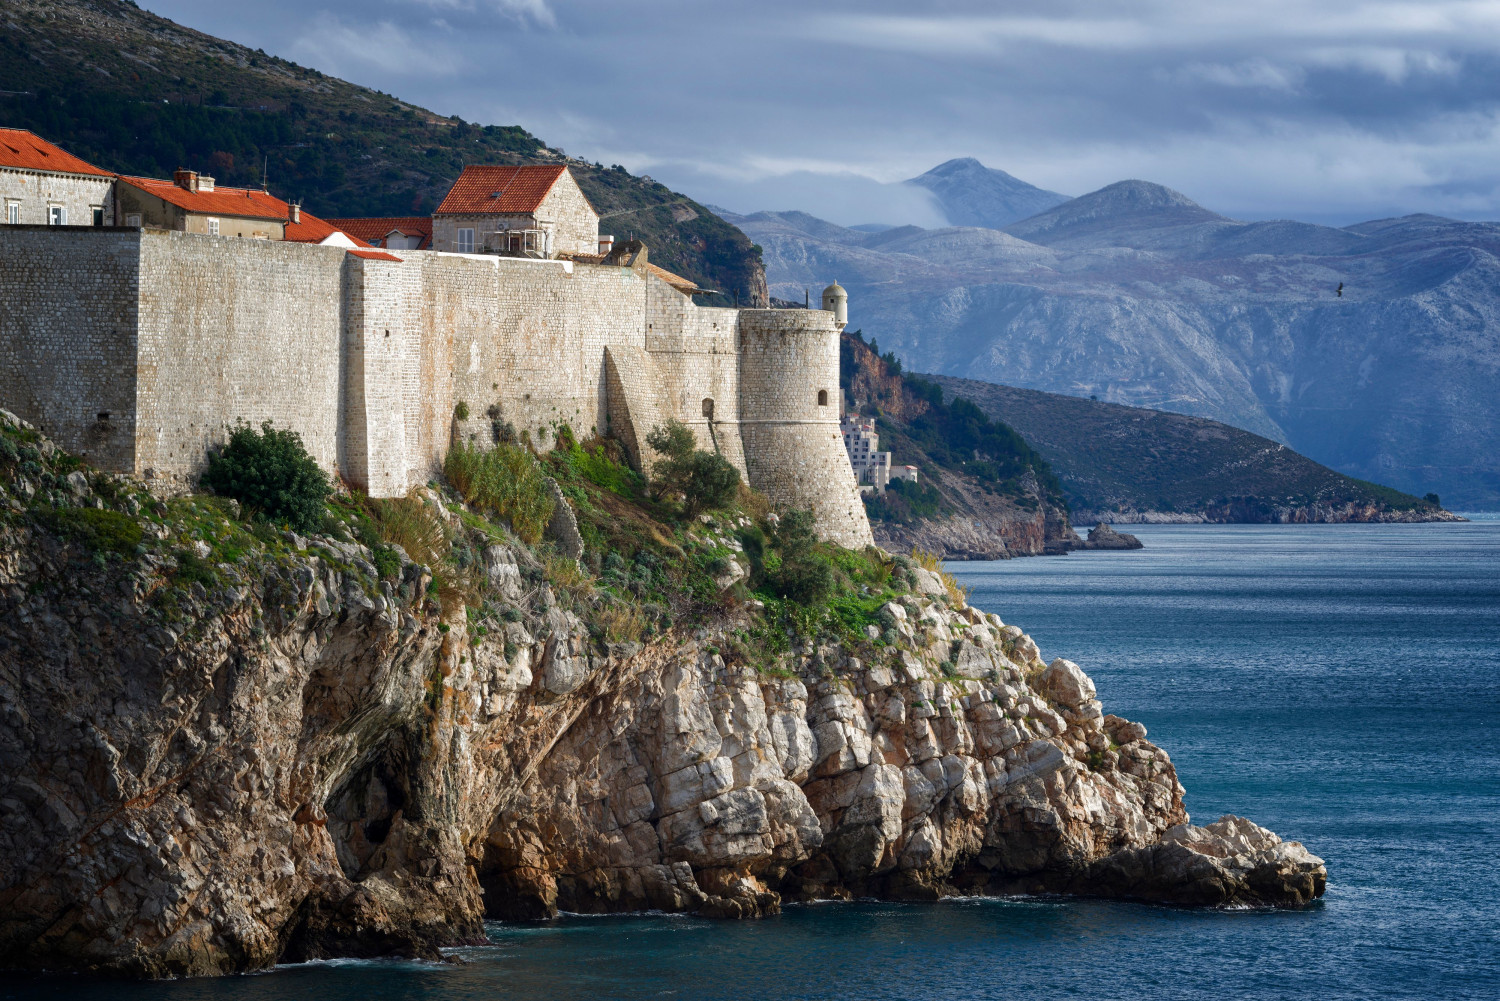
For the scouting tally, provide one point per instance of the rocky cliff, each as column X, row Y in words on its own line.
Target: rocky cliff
column 223, row 746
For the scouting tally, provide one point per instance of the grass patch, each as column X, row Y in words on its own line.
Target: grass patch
column 100, row 530
column 506, row 480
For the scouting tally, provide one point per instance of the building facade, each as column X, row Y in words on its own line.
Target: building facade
column 526, row 211
column 42, row 184
column 870, row 465
column 192, row 203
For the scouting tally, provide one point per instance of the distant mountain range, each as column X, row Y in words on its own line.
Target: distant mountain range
column 1374, row 349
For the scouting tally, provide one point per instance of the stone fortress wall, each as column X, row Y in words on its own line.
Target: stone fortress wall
column 138, row 348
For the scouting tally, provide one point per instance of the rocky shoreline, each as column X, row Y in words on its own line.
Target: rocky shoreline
column 1254, row 513
column 295, row 757
column 969, row 538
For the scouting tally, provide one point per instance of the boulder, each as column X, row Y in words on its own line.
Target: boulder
column 1065, row 683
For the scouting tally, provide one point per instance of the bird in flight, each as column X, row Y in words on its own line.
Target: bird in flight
column 1339, row 291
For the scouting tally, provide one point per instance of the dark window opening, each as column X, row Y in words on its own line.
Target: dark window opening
column 822, row 397
column 708, row 408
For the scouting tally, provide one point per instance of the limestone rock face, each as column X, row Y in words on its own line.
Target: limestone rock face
column 306, row 763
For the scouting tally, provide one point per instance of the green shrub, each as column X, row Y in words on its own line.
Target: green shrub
column 805, row 578
column 710, row 482
column 387, row 563
column 804, row 574
column 704, row 479
column 505, row 479
column 99, row 530
column 596, row 466
column 192, row 569
column 271, row 472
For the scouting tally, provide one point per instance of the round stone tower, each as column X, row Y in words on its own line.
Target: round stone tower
column 836, row 301
column 789, row 418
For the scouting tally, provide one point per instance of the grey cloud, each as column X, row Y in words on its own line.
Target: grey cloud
column 1343, row 109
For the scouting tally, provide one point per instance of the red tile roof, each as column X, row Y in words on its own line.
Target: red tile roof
column 375, row 255
column 310, row 229
column 243, row 202
column 28, row 151
column 375, row 230
column 482, row 190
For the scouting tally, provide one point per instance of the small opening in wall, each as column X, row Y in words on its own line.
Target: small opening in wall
column 822, row 397
column 387, row 333
column 708, row 408
column 104, row 415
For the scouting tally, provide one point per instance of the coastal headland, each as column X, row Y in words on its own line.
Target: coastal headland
column 227, row 745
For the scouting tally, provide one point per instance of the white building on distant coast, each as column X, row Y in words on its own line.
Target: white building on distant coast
column 872, row 467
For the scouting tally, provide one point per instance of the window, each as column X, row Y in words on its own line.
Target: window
column 57, row 215
column 822, row 397
column 133, row 220
column 98, row 212
column 13, row 213
column 466, row 241
column 213, row 226
column 708, row 408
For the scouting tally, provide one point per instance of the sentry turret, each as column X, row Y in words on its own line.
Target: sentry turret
column 836, row 301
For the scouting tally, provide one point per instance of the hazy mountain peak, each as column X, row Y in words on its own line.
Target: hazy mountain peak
column 972, row 194
column 1110, row 215
column 1142, row 195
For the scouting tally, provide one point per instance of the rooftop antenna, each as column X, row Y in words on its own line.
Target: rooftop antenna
column 265, row 165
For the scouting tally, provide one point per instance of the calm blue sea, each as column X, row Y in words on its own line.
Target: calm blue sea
column 1338, row 684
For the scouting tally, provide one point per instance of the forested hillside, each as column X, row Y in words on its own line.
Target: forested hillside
column 139, row 94
column 1127, row 464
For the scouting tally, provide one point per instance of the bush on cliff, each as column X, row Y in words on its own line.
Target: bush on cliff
column 803, row 574
column 705, row 480
column 506, row 480
column 270, row 472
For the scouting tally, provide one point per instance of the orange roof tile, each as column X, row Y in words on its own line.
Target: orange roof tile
column 28, row 151
column 309, row 229
column 375, row 230
column 375, row 255
column 244, row 202
column 489, row 190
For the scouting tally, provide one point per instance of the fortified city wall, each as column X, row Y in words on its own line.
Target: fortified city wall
column 139, row 348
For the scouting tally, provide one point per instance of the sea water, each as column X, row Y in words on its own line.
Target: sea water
column 1337, row 684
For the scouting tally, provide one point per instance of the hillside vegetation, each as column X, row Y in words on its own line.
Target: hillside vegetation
column 982, row 491
column 137, row 93
column 1120, row 463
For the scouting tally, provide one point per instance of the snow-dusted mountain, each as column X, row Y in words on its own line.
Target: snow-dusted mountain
column 1138, row 295
column 972, row 194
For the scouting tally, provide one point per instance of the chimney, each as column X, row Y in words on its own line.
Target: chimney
column 606, row 244
column 187, row 180
column 296, row 211
column 205, row 183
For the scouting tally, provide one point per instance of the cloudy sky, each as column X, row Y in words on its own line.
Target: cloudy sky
column 1327, row 110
